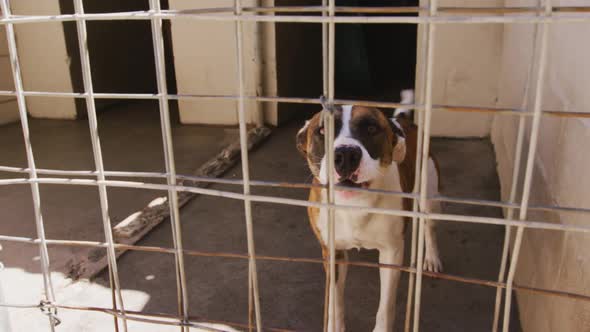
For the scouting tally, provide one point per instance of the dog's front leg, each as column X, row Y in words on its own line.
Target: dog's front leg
column 389, row 283
column 432, row 260
column 341, row 272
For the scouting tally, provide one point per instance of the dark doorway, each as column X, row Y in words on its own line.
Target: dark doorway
column 121, row 52
column 373, row 61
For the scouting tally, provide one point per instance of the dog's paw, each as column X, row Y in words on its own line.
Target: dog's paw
column 432, row 264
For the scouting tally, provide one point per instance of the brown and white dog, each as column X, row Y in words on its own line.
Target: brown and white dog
column 375, row 152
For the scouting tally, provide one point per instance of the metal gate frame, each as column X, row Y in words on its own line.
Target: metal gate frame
column 430, row 16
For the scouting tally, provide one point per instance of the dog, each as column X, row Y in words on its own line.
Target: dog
column 371, row 151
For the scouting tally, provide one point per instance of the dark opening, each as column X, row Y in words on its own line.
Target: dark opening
column 121, row 52
column 372, row 61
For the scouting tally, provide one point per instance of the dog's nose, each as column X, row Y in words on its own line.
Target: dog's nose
column 347, row 159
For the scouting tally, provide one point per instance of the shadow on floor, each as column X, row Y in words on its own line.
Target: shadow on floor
column 291, row 293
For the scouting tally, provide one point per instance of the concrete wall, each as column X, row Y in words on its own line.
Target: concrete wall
column 44, row 60
column 550, row 259
column 466, row 68
column 204, row 55
column 8, row 106
column 121, row 54
column 205, row 63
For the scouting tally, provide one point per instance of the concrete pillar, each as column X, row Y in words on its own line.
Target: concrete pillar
column 44, row 60
column 8, row 107
column 466, row 72
column 205, row 64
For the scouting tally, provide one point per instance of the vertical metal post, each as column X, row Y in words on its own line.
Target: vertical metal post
column 425, row 153
column 514, row 185
column 98, row 161
column 329, row 125
column 423, row 48
column 166, row 127
column 22, row 110
column 253, row 290
column 325, row 74
column 537, row 113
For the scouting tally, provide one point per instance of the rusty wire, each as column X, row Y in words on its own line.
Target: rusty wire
column 138, row 316
column 516, row 111
column 446, row 15
column 319, row 261
column 187, row 180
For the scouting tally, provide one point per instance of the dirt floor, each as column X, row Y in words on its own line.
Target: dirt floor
column 291, row 293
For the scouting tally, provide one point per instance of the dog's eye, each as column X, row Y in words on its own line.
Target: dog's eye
column 372, row 129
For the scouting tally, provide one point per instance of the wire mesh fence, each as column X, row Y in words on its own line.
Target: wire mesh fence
column 428, row 17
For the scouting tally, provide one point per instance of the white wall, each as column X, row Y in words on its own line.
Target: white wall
column 466, row 67
column 466, row 71
column 44, row 60
column 8, row 106
column 205, row 64
column 550, row 259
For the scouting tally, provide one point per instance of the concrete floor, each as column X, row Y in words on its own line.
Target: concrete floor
column 291, row 293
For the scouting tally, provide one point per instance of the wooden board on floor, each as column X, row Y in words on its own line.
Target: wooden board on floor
column 91, row 261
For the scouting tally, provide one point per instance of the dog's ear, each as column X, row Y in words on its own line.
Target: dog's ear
column 301, row 139
column 399, row 150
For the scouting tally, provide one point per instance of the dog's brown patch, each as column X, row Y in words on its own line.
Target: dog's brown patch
column 315, row 195
column 379, row 144
column 310, row 143
column 407, row 168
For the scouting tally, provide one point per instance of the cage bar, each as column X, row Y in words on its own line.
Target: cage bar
column 528, row 179
column 261, row 183
column 98, row 161
column 423, row 49
column 253, row 292
column 22, row 110
column 514, row 184
column 431, row 37
column 182, row 292
column 298, row 100
column 567, row 15
column 407, row 269
column 304, row 203
column 330, row 132
column 430, row 16
column 325, row 74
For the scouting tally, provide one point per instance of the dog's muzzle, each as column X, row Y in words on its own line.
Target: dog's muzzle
column 347, row 160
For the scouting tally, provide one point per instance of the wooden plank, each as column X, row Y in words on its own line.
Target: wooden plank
column 89, row 262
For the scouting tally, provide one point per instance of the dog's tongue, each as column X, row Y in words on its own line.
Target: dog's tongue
column 347, row 194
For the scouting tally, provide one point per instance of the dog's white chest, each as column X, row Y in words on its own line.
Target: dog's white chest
column 359, row 229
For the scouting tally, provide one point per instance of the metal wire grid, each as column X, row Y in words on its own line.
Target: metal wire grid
column 429, row 17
